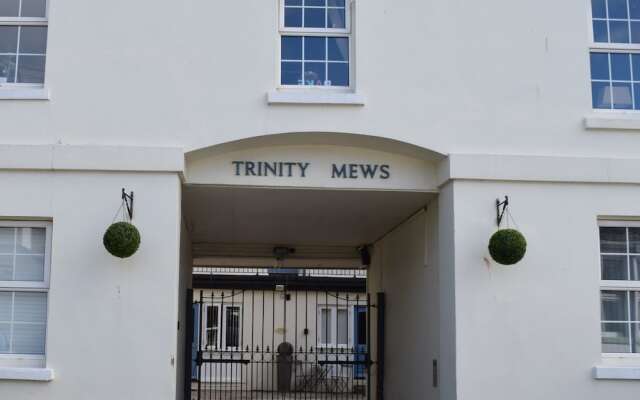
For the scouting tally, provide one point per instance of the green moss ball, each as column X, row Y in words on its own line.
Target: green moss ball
column 121, row 239
column 507, row 246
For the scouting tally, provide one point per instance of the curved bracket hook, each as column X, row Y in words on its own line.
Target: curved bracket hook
column 500, row 212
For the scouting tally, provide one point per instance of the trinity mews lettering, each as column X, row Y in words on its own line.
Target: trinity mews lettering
column 356, row 171
column 268, row 168
column 290, row 169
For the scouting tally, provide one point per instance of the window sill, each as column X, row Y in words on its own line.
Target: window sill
column 24, row 93
column 622, row 121
column 26, row 374
column 319, row 97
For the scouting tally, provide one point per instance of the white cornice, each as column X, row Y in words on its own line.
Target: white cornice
column 538, row 169
column 91, row 158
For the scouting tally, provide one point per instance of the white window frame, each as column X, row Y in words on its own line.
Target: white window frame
column 30, row 360
column 318, row 32
column 595, row 47
column 333, row 332
column 624, row 286
column 26, row 21
column 222, row 325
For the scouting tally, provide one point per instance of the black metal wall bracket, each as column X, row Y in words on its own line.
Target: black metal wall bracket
column 128, row 202
column 500, row 212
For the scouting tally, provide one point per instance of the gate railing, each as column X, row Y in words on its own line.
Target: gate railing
column 255, row 344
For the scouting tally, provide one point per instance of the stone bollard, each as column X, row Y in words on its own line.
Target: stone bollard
column 285, row 363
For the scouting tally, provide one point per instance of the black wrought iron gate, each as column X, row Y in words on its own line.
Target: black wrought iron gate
column 281, row 343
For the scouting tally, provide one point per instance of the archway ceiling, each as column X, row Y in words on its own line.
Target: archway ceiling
column 259, row 218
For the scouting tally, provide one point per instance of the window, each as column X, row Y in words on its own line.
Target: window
column 315, row 43
column 231, row 327
column 23, row 42
column 24, row 286
column 620, row 287
column 615, row 54
column 335, row 326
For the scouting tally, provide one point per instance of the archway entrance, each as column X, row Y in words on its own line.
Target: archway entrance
column 282, row 237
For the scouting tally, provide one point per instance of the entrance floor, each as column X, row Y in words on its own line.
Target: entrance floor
column 229, row 395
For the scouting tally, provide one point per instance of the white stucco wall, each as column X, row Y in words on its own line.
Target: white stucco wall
column 532, row 331
column 111, row 331
column 405, row 267
column 477, row 78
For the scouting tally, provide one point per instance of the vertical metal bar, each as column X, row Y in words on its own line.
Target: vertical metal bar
column 199, row 352
column 294, row 357
column 253, row 322
column 380, row 345
column 273, row 338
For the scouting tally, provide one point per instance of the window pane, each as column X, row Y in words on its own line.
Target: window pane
column 338, row 49
column 292, row 17
column 613, row 239
column 620, row 67
column 634, row 240
column 233, row 327
column 6, row 268
column 634, row 9
column 7, row 70
column 635, row 306
column 9, row 8
column 314, row 17
column 212, row 338
column 291, row 47
column 635, row 330
column 615, row 338
column 28, row 338
column 31, row 69
column 29, row 268
column 339, row 74
column 600, row 66
column 336, row 18
column 291, row 73
column 30, row 240
column 315, row 48
column 619, row 31
column 7, row 240
column 314, row 73
column 343, row 327
column 622, row 98
column 5, row 306
column 292, row 2
column 30, row 307
column 600, row 33
column 617, row 9
column 33, row 39
column 34, row 8
column 325, row 326
column 8, row 40
column 5, row 339
column 635, row 268
column 601, row 95
column 614, row 305
column 315, row 3
column 614, row 268
column 336, row 3
column 635, row 32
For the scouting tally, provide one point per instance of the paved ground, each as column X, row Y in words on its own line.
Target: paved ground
column 227, row 395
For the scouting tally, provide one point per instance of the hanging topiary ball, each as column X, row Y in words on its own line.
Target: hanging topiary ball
column 507, row 246
column 121, row 239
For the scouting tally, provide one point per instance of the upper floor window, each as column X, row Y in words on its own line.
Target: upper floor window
column 23, row 42
column 620, row 287
column 24, row 285
column 315, row 43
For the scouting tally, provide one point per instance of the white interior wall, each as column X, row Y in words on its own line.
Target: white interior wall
column 405, row 268
column 111, row 330
column 532, row 331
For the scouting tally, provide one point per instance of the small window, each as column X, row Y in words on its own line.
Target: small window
column 222, row 330
column 23, row 42
column 24, row 286
column 620, row 287
column 335, row 328
column 315, row 43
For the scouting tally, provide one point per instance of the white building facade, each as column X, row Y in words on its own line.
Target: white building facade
column 323, row 126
